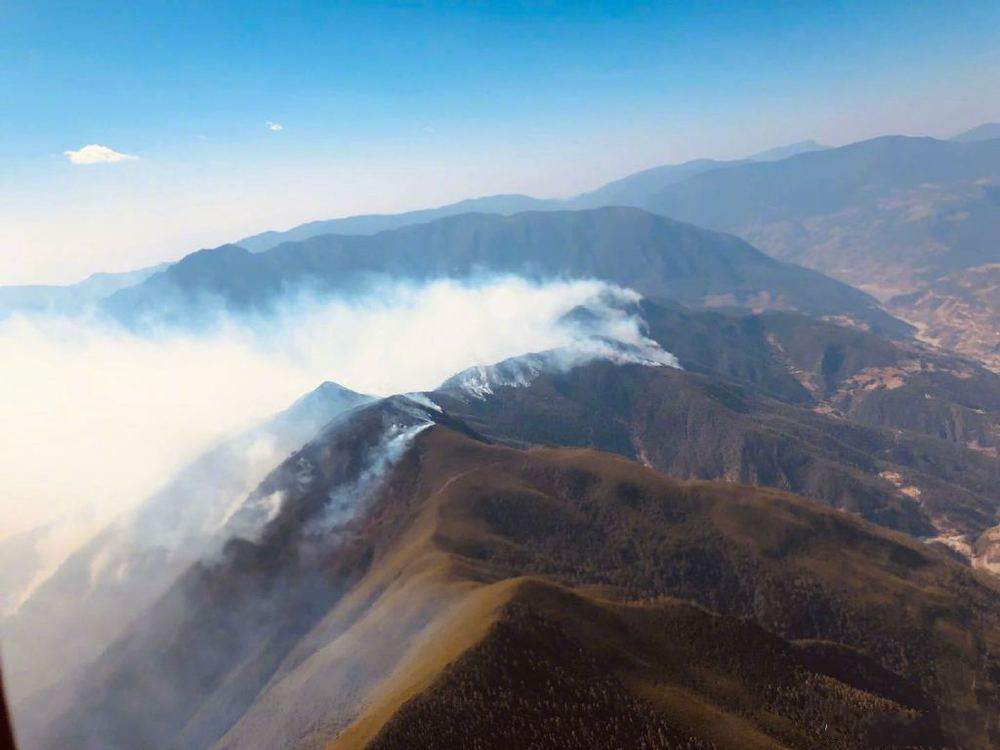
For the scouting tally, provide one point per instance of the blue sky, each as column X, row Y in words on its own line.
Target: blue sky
column 394, row 106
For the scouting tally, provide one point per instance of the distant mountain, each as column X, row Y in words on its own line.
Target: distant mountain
column 893, row 216
column 823, row 182
column 635, row 189
column 985, row 132
column 838, row 371
column 872, row 213
column 783, row 152
column 632, row 190
column 374, row 223
column 71, row 298
column 655, row 256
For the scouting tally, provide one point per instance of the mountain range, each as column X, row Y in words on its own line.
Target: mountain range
column 912, row 221
column 777, row 525
column 655, row 256
column 901, row 218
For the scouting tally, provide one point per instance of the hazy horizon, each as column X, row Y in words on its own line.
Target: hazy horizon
column 243, row 118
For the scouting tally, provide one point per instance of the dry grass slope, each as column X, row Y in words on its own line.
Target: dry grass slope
column 799, row 627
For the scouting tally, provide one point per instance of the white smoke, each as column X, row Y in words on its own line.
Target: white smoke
column 342, row 504
column 96, row 418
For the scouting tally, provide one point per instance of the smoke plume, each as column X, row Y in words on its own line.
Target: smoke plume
column 97, row 417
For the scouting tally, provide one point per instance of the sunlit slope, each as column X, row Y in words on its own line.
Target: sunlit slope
column 810, row 615
column 510, row 587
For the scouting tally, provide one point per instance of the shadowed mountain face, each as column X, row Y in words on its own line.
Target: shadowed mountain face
column 243, row 607
column 899, row 433
column 692, row 426
column 537, row 592
column 655, row 256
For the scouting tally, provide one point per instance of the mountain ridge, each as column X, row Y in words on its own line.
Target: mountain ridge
column 457, row 514
column 632, row 248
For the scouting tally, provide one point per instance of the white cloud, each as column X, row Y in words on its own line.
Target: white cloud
column 97, row 154
column 275, row 126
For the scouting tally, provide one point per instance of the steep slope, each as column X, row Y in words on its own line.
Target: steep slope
column 243, row 606
column 96, row 592
column 589, row 519
column 693, row 426
column 837, row 370
column 655, row 256
column 557, row 669
column 809, row 628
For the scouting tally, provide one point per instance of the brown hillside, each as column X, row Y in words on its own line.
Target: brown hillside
column 492, row 597
column 818, row 617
